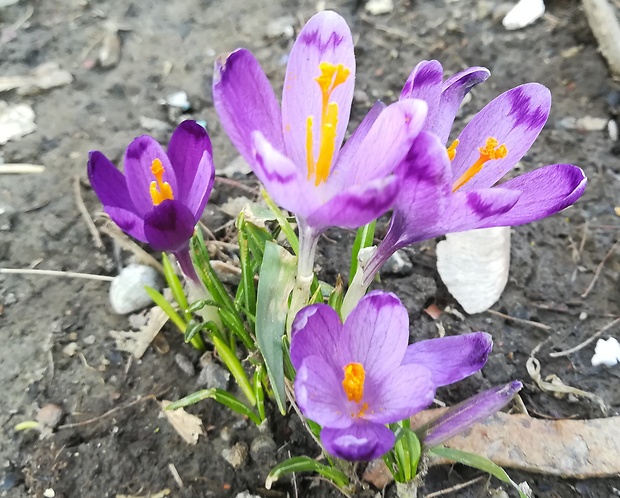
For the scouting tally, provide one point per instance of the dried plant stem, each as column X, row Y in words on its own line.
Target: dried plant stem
column 21, row 169
column 599, row 269
column 84, row 212
column 457, row 487
column 606, row 29
column 56, row 273
column 586, row 342
column 520, row 320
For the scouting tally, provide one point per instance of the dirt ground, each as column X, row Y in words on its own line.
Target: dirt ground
column 171, row 46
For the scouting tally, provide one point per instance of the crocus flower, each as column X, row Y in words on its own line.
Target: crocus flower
column 356, row 377
column 294, row 149
column 461, row 417
column 457, row 189
column 161, row 197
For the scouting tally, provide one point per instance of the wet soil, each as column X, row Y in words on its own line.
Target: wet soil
column 171, row 46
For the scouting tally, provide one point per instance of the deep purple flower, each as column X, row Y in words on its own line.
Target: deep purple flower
column 354, row 378
column 161, row 197
column 461, row 417
column 295, row 150
column 458, row 190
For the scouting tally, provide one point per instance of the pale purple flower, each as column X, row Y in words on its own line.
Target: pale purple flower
column 295, row 150
column 356, row 377
column 461, row 417
column 161, row 196
column 454, row 191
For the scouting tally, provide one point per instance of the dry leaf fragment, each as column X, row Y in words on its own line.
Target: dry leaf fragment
column 138, row 342
column 474, row 266
column 47, row 75
column 16, row 121
column 188, row 426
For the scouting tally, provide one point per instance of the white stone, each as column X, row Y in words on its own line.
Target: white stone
column 379, row 7
column 606, row 352
column 127, row 292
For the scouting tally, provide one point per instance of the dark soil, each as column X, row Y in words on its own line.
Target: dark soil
column 171, row 46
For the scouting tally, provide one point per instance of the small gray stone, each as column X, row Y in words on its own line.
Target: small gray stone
column 263, row 449
column 185, row 364
column 212, row 373
column 237, row 455
column 398, row 265
column 7, row 213
column 282, row 26
column 127, row 292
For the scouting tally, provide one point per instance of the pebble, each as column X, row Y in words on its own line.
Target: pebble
column 212, row 374
column 398, row 265
column 379, row 7
column 237, row 455
column 246, row 494
column 184, row 364
column 612, row 130
column 49, row 493
column 178, row 100
column 587, row 123
column 282, row 26
column 127, row 292
column 263, row 449
column 70, row 349
column 524, row 13
column 50, row 415
column 90, row 340
column 7, row 213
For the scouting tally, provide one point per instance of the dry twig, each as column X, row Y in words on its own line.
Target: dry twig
column 457, row 487
column 126, row 243
column 56, row 273
column 599, row 269
column 520, row 320
column 586, row 342
column 84, row 212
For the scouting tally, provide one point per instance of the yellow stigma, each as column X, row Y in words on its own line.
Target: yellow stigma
column 353, row 383
column 159, row 189
column 491, row 151
column 331, row 77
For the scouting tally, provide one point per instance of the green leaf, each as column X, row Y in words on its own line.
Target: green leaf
column 275, row 283
column 477, row 462
column 364, row 238
column 219, row 395
column 306, row 464
column 286, row 227
column 247, row 275
column 161, row 301
column 175, row 286
column 193, row 328
column 337, row 295
column 259, row 391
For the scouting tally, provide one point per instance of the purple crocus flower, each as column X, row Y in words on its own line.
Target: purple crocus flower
column 295, row 151
column 454, row 191
column 161, row 197
column 356, row 377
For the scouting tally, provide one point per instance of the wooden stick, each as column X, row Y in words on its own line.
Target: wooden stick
column 56, row 273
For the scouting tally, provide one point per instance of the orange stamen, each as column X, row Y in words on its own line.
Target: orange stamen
column 452, row 149
column 353, row 383
column 331, row 77
column 489, row 152
column 159, row 189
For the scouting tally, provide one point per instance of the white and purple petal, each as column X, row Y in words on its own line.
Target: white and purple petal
column 459, row 418
column 384, row 146
column 325, row 38
column 362, row 441
column 515, row 119
column 139, row 158
column 450, row 359
column 424, row 83
column 245, row 102
column 403, row 392
column 286, row 183
column 453, row 92
column 320, row 395
column 110, row 186
column 168, row 226
column 376, row 334
column 544, row 191
column 190, row 153
column 355, row 206
column 315, row 332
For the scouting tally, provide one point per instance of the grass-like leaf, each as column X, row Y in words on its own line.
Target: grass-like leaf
column 306, row 464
